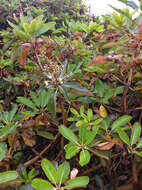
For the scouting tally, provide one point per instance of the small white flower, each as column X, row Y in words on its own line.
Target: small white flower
column 46, row 83
column 50, row 76
column 60, row 80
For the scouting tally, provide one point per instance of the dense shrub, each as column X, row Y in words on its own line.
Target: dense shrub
column 71, row 89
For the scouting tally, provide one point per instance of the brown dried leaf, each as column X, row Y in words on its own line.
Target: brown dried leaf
column 28, row 140
column 29, row 123
column 23, row 57
column 17, row 145
column 105, row 146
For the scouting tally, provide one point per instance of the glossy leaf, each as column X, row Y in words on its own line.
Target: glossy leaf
column 106, row 123
column 40, row 184
column 77, row 182
column 138, row 153
column 49, row 170
column 123, row 135
column 27, row 102
column 82, row 110
column 71, row 150
column 139, row 144
column 68, row 134
column 76, row 87
column 45, row 134
column 8, row 176
column 63, row 71
column 63, row 172
column 91, row 135
column 97, row 121
column 74, row 112
column 3, row 150
column 84, row 157
column 100, row 87
column 82, row 133
column 12, row 112
column 64, row 93
column 108, row 94
column 136, row 132
column 6, row 130
column 35, row 99
column 90, row 114
column 45, row 97
column 132, row 4
column 121, row 121
column 45, row 28
column 21, row 34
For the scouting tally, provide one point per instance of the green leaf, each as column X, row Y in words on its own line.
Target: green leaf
column 12, row 112
column 80, row 123
column 55, row 100
column 76, row 86
column 74, row 112
column 64, row 69
column 33, row 26
column 123, row 135
column 84, row 157
column 91, row 135
column 106, row 123
column 45, row 134
column 35, row 100
column 85, row 99
column 21, row 34
column 45, row 28
column 27, row 102
column 45, row 97
column 121, row 121
column 138, row 153
column 97, row 121
column 8, row 176
column 63, row 91
column 90, row 114
column 68, row 134
column 63, row 172
column 26, row 27
column 140, row 4
column 71, row 150
column 13, row 25
column 139, row 144
column 123, row 1
column 32, row 173
column 136, row 132
column 6, row 130
column 3, row 150
column 82, row 110
column 102, row 154
column 82, row 133
column 109, row 94
column 100, row 88
column 119, row 90
column 49, row 170
column 133, row 5
column 5, row 117
column 77, row 182
column 41, row 184
column 23, row 19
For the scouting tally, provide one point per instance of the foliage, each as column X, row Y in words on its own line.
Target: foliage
column 58, row 177
column 70, row 90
